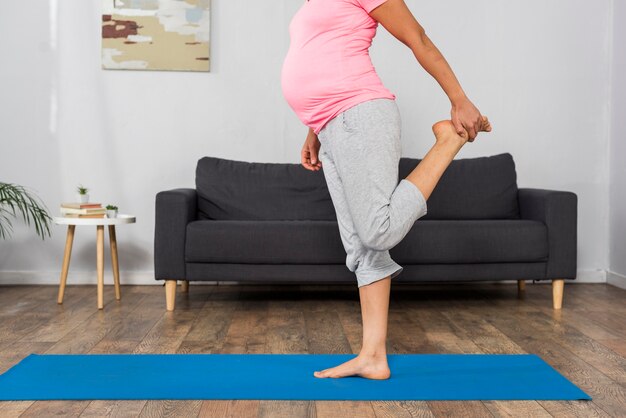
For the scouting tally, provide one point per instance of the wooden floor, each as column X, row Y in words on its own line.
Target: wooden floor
column 585, row 341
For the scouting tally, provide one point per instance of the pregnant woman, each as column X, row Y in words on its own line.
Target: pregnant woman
column 354, row 133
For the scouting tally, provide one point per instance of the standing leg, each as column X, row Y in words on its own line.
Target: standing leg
column 100, row 264
column 371, row 362
column 184, row 286
column 66, row 261
column 114, row 262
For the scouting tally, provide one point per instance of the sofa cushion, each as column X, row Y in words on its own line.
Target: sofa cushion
column 319, row 242
column 477, row 241
column 238, row 190
column 264, row 242
column 473, row 188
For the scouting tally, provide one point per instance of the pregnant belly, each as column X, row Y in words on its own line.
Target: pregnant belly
column 306, row 82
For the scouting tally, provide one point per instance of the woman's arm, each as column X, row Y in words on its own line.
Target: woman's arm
column 396, row 17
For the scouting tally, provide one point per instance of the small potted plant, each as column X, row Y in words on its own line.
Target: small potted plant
column 83, row 196
column 111, row 211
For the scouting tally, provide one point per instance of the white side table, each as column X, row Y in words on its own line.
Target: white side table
column 99, row 223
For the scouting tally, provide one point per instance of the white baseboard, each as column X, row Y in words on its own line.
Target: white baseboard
column 590, row 276
column 147, row 278
column 616, row 279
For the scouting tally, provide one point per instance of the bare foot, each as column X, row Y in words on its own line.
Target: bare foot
column 445, row 132
column 485, row 125
column 369, row 367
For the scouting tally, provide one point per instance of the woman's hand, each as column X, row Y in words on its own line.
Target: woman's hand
column 465, row 116
column 310, row 151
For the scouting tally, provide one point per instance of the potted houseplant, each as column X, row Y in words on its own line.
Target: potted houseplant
column 111, row 211
column 83, row 195
column 15, row 198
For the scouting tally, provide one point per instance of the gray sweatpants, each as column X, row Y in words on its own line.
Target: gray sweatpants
column 360, row 151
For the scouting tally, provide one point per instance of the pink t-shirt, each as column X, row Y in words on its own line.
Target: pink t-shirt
column 328, row 68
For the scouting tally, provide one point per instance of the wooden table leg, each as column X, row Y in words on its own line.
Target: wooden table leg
column 66, row 261
column 100, row 264
column 114, row 262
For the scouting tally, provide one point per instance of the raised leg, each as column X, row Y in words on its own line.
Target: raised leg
column 557, row 293
column 429, row 171
column 114, row 262
column 100, row 264
column 66, row 261
column 184, row 286
column 170, row 294
column 521, row 286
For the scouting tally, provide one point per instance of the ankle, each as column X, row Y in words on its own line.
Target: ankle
column 451, row 143
column 373, row 354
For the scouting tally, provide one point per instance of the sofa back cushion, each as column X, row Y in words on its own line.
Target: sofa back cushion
column 473, row 188
column 238, row 190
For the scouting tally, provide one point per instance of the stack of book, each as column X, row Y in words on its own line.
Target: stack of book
column 83, row 210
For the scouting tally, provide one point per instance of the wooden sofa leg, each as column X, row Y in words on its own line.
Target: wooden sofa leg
column 170, row 294
column 184, row 286
column 557, row 293
column 521, row 286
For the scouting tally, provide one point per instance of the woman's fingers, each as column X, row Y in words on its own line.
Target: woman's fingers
column 306, row 160
column 472, row 133
column 310, row 160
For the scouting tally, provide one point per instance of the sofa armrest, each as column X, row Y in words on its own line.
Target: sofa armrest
column 174, row 209
column 558, row 210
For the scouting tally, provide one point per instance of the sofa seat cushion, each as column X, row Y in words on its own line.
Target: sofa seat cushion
column 477, row 241
column 319, row 242
column 264, row 242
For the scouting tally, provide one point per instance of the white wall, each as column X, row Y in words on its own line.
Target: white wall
column 617, row 263
column 539, row 70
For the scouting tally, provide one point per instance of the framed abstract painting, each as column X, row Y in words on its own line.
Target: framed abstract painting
column 156, row 35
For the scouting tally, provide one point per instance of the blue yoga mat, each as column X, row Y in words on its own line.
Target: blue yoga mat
column 282, row 377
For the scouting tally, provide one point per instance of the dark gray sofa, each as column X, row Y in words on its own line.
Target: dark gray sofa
column 275, row 223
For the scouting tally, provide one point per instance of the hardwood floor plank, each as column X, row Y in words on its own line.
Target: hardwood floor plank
column 247, row 331
column 174, row 409
column 618, row 345
column 113, row 409
column 229, row 409
column 286, row 331
column 287, row 409
column 55, row 409
column 168, row 333
column 401, row 409
column 344, row 409
column 88, row 333
column 571, row 409
column 466, row 409
column 79, row 303
column 13, row 409
column 516, row 409
column 214, row 319
column 26, row 315
column 324, row 333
